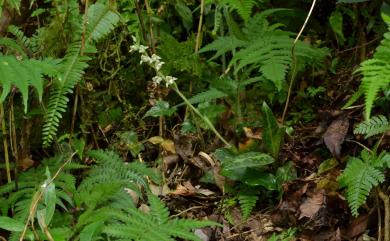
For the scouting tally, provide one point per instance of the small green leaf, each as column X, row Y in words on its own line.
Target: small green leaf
column 160, row 109
column 11, row 224
column 327, row 165
column 130, row 139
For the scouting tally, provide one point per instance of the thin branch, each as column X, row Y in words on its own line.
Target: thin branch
column 294, row 61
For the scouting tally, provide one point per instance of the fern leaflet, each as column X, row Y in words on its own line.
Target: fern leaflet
column 359, row 177
column 374, row 126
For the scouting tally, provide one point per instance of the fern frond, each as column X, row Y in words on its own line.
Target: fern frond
column 247, row 199
column 266, row 48
column 222, row 45
column 102, row 20
column 243, row 7
column 24, row 73
column 136, row 225
column 71, row 71
column 376, row 74
column 23, row 41
column 374, row 126
column 359, row 177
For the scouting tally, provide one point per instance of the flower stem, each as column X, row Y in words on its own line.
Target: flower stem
column 204, row 118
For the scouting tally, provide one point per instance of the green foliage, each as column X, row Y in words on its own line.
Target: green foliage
column 72, row 69
column 243, row 7
column 376, row 72
column 374, row 126
column 272, row 134
column 236, row 165
column 287, row 235
column 360, row 176
column 24, row 73
column 136, row 225
column 247, row 198
column 101, row 21
column 264, row 47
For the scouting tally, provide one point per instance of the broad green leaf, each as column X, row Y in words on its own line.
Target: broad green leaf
column 272, row 133
column 256, row 178
column 160, row 109
column 235, row 166
column 11, row 224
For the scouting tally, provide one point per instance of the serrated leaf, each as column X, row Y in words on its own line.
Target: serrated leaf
column 11, row 224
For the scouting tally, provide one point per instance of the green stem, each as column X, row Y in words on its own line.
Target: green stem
column 196, row 111
column 5, row 143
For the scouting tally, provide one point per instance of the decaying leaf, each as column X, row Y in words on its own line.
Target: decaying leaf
column 334, row 136
column 310, row 207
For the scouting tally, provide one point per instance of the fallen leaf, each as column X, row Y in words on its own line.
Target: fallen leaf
column 310, row 207
column 156, row 140
column 184, row 190
column 168, row 146
column 334, row 136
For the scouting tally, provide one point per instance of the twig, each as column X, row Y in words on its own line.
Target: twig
column 294, row 61
column 386, row 203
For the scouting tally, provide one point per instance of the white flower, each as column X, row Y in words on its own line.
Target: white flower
column 169, row 80
column 134, row 48
column 142, row 49
column 156, row 58
column 145, row 59
column 157, row 79
column 158, row 65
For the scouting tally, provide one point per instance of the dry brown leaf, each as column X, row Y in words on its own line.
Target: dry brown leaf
column 184, row 190
column 25, row 164
column 335, row 134
column 312, row 205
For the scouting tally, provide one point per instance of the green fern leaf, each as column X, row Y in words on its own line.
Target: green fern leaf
column 102, row 20
column 374, row 126
column 222, row 45
column 22, row 74
column 71, row 71
column 359, row 177
column 243, row 7
column 247, row 199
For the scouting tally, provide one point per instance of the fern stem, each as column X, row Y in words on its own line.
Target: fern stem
column 386, row 203
column 294, row 61
column 5, row 143
column 198, row 36
column 204, row 118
